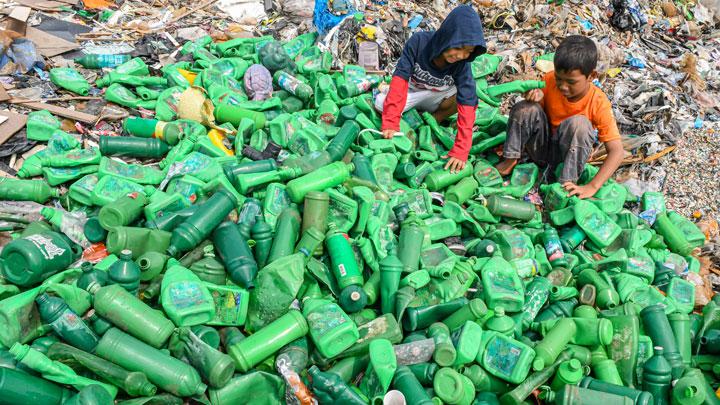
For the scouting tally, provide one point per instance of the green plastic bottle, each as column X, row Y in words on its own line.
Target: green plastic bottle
column 331, row 329
column 568, row 373
column 123, row 211
column 29, row 260
column 501, row 323
column 121, row 95
column 638, row 397
column 184, row 297
column 252, row 350
column 131, row 314
column 286, row 234
column 130, row 146
column 342, row 257
column 59, row 175
column 406, row 382
column 131, row 80
column 199, row 226
column 330, row 388
column 657, row 375
column 452, row 387
column 66, row 323
column 26, row 190
column 54, row 370
column 440, row 178
column 133, row 383
column 131, row 172
column 215, row 367
column 168, row 373
column 510, row 208
column 445, row 353
column 381, row 369
column 288, row 82
column 41, row 125
column 70, row 79
column 657, row 327
column 467, row 342
column 235, row 254
column 137, row 240
column 125, row 272
column 326, row 177
column 17, row 387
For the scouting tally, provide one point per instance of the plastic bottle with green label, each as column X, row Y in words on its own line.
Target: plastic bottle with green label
column 66, row 323
column 330, row 328
column 184, row 297
column 70, row 79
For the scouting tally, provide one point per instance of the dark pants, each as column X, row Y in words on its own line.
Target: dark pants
column 528, row 134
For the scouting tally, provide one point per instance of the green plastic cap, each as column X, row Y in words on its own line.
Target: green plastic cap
column 94, row 232
column 353, row 299
column 448, row 385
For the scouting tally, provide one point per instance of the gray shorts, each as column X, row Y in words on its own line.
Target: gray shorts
column 422, row 100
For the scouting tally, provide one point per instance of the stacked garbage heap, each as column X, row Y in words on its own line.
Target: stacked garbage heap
column 275, row 248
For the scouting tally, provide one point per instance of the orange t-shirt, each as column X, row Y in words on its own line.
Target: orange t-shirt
column 594, row 105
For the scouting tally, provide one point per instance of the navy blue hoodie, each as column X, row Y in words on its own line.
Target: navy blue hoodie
column 415, row 68
column 461, row 27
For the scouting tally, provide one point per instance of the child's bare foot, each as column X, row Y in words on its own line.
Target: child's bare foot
column 506, row 166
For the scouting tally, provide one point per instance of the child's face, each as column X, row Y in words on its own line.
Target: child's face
column 453, row 55
column 573, row 84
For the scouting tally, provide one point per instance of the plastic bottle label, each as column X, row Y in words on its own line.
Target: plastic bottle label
column 501, row 284
column 69, row 321
column 502, row 355
column 228, row 305
column 325, row 319
column 185, row 294
column 46, row 246
column 288, row 83
column 554, row 250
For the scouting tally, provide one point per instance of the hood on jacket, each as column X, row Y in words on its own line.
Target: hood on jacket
column 461, row 27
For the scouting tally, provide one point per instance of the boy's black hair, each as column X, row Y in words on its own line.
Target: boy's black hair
column 576, row 52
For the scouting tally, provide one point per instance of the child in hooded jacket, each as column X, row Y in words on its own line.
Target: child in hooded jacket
column 434, row 75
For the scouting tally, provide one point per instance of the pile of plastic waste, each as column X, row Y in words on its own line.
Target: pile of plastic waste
column 258, row 241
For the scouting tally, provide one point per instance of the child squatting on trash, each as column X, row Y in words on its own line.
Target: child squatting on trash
column 433, row 75
column 558, row 124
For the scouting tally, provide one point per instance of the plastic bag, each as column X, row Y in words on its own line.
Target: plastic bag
column 299, row 8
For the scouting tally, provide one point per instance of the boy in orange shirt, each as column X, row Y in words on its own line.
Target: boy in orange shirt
column 557, row 124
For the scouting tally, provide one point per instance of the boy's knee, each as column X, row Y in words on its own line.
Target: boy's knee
column 524, row 108
column 579, row 126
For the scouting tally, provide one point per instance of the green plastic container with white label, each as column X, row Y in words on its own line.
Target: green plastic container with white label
column 184, row 297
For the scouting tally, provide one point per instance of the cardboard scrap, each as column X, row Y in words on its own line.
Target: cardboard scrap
column 17, row 20
column 13, row 122
column 49, row 45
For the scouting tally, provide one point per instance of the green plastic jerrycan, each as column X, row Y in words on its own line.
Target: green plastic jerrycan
column 65, row 322
column 331, row 329
column 467, row 341
column 168, row 373
column 184, row 297
column 501, row 285
column 505, row 357
column 598, row 226
column 33, row 258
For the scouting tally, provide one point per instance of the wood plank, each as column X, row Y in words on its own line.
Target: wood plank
column 62, row 111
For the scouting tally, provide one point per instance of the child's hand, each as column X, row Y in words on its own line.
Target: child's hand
column 534, row 95
column 582, row 192
column 454, row 164
column 388, row 133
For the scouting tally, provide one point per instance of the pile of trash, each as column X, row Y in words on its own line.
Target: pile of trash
column 220, row 221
